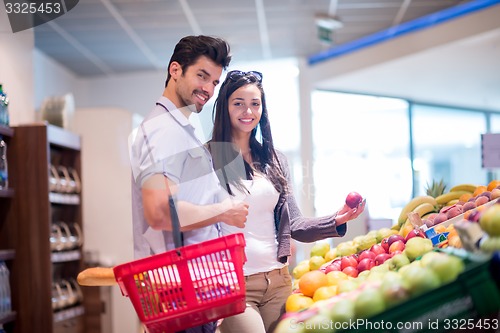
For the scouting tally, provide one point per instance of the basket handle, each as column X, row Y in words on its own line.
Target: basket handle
column 176, row 227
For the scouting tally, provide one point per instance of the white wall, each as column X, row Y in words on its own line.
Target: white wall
column 136, row 92
column 106, row 197
column 16, row 70
column 52, row 79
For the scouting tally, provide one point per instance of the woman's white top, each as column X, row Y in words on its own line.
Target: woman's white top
column 260, row 235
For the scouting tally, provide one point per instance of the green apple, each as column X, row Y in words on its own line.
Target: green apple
column 428, row 257
column 420, row 279
column 380, row 268
column 342, row 311
column 320, row 323
column 417, row 246
column 300, row 270
column 490, row 244
column 398, row 261
column 346, row 249
column 447, row 267
column 363, row 275
column 319, row 249
column 316, row 262
column 331, row 254
column 490, row 220
column 366, row 242
column 368, row 303
column 394, row 290
column 383, row 233
column 289, row 325
column 412, row 264
column 389, row 276
column 345, row 286
column 375, row 276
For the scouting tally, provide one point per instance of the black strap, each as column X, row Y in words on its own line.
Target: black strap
column 176, row 227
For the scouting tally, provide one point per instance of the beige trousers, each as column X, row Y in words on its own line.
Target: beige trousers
column 266, row 294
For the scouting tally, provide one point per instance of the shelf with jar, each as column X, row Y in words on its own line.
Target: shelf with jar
column 6, row 134
column 7, row 248
column 46, row 229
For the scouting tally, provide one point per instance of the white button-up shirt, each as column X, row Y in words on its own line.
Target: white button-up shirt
column 166, row 143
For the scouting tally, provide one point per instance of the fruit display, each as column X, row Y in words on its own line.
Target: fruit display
column 378, row 294
column 439, row 209
column 374, row 274
column 438, row 206
column 481, row 228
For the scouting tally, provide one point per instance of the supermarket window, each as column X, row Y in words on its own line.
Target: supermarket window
column 495, row 128
column 447, row 145
column 495, row 123
column 361, row 143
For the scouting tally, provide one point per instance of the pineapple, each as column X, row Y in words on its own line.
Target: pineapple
column 436, row 188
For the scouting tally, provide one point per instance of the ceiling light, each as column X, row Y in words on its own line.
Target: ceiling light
column 328, row 22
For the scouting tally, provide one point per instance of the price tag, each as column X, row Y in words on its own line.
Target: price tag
column 490, row 150
column 415, row 220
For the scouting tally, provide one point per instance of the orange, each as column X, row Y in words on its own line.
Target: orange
column 440, row 229
column 480, row 208
column 480, row 189
column 452, row 231
column 312, row 280
column 455, row 241
column 493, row 184
column 297, row 302
column 405, row 230
column 465, row 197
column 324, row 292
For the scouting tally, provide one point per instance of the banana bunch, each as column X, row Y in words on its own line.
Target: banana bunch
column 450, row 198
column 421, row 205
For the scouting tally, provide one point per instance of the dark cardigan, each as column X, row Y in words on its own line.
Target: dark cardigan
column 290, row 223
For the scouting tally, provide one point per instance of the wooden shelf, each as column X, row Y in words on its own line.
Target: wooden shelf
column 60, row 137
column 33, row 208
column 68, row 313
column 7, row 317
column 7, row 193
column 7, row 254
column 65, row 256
column 64, row 199
column 6, row 131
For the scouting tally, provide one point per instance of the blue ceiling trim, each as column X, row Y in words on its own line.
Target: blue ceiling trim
column 404, row 28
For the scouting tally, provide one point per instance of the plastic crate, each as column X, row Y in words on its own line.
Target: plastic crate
column 187, row 286
column 451, row 307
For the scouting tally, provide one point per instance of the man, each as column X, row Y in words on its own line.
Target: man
column 168, row 158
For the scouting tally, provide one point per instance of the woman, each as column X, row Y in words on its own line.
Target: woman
column 264, row 183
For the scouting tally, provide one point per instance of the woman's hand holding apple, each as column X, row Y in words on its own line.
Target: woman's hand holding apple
column 353, row 207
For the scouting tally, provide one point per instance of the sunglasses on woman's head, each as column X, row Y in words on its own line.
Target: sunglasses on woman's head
column 235, row 75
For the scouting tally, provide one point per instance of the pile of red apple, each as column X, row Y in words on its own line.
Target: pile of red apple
column 376, row 255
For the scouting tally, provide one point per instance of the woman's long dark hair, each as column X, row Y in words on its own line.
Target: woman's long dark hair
column 264, row 156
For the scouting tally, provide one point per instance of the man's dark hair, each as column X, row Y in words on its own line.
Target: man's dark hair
column 190, row 48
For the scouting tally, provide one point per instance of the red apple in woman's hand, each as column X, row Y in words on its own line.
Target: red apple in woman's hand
column 353, row 199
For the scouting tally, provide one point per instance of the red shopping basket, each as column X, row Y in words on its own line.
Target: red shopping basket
column 188, row 286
